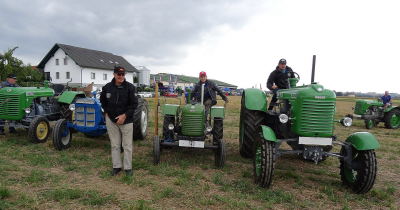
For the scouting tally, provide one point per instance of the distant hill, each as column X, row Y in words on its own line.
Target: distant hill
column 186, row 79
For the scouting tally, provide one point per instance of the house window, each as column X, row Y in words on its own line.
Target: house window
column 57, row 75
column 67, row 76
column 104, row 76
column 65, row 61
column 93, row 75
column 57, row 62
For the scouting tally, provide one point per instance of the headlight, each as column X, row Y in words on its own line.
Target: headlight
column 72, row 107
column 171, row 126
column 347, row 121
column 209, row 129
column 283, row 118
column 27, row 110
column 320, row 89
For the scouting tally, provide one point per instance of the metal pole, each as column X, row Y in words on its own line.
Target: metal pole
column 156, row 103
column 313, row 69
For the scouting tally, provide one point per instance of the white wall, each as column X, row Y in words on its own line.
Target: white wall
column 75, row 70
column 99, row 81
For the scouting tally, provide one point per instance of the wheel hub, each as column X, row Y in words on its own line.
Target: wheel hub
column 41, row 130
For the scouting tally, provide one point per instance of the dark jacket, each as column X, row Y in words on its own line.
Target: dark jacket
column 209, row 92
column 117, row 100
column 280, row 78
column 6, row 84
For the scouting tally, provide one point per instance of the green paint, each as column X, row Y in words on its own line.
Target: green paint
column 193, row 120
column 268, row 133
column 14, row 100
column 363, row 141
column 217, row 111
column 363, row 105
column 170, row 109
column 68, row 97
column 255, row 99
column 395, row 120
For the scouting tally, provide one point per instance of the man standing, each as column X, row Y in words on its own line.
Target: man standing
column 278, row 79
column 386, row 100
column 119, row 101
column 10, row 82
column 210, row 97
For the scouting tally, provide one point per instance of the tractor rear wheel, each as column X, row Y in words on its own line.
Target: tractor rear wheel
column 250, row 120
column 140, row 120
column 369, row 124
column 392, row 119
column 39, row 129
column 62, row 135
column 360, row 177
column 218, row 133
column 263, row 162
column 156, row 150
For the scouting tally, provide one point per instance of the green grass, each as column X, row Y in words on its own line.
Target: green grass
column 86, row 197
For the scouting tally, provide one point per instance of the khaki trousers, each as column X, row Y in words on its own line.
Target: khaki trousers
column 120, row 134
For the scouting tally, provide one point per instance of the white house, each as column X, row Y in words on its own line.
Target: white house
column 80, row 66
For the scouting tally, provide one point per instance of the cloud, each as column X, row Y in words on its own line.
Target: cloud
column 157, row 31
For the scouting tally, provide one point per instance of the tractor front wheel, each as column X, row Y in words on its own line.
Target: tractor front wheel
column 39, row 130
column 263, row 162
column 360, row 176
column 369, row 124
column 156, row 150
column 392, row 119
column 250, row 120
column 62, row 135
column 218, row 133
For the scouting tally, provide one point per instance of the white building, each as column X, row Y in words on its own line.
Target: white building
column 80, row 66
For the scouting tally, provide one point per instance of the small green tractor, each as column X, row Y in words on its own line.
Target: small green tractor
column 304, row 119
column 33, row 107
column 189, row 126
column 373, row 112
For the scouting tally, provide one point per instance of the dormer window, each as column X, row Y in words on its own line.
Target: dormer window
column 65, row 61
column 57, row 62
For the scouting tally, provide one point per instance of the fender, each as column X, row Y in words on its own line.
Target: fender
column 391, row 108
column 255, row 99
column 363, row 141
column 68, row 97
column 217, row 112
column 268, row 133
column 170, row 109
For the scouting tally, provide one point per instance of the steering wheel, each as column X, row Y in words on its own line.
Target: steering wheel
column 296, row 75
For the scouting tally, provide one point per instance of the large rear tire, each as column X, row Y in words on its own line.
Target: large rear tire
column 392, row 119
column 39, row 130
column 250, row 120
column 218, row 133
column 361, row 176
column 140, row 119
column 62, row 135
column 263, row 162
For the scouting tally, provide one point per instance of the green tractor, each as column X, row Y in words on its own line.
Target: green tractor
column 304, row 119
column 189, row 126
column 373, row 112
column 33, row 107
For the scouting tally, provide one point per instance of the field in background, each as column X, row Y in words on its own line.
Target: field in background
column 35, row 176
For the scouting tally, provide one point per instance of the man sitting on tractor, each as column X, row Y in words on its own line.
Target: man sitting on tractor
column 210, row 98
column 386, row 100
column 10, row 82
column 278, row 79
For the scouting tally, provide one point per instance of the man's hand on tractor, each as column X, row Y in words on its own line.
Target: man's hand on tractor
column 121, row 119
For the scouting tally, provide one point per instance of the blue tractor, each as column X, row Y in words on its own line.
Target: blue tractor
column 88, row 118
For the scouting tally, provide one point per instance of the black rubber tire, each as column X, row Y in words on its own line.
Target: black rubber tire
column 167, row 120
column 218, row 134
column 250, row 120
column 60, row 142
column 220, row 154
column 138, row 124
column 388, row 117
column 156, row 150
column 267, row 161
column 33, row 127
column 365, row 174
column 369, row 124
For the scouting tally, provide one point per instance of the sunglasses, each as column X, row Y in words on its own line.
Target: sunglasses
column 121, row 74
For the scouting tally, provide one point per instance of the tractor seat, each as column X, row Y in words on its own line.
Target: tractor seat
column 58, row 89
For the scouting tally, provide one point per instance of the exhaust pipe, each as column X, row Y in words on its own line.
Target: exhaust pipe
column 202, row 93
column 313, row 69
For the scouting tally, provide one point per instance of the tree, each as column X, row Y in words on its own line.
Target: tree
column 12, row 65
